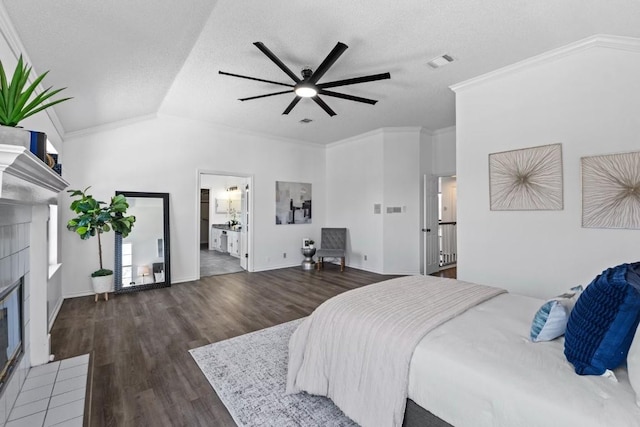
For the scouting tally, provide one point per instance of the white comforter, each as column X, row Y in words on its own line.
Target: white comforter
column 356, row 347
column 481, row 370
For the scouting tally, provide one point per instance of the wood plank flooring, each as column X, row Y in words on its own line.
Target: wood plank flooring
column 143, row 374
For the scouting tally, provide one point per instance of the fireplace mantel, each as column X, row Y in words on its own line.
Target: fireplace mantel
column 24, row 178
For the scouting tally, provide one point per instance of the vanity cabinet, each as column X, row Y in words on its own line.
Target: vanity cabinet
column 233, row 243
column 216, row 240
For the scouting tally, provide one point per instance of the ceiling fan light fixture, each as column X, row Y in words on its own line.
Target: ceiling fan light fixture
column 305, row 90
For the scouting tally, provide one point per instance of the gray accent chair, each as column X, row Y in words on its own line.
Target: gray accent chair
column 333, row 244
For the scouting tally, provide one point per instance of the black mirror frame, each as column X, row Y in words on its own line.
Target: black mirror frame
column 167, row 247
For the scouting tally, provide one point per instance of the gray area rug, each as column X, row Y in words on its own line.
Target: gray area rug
column 249, row 375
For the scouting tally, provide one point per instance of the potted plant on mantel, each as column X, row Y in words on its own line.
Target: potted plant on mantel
column 15, row 105
column 95, row 218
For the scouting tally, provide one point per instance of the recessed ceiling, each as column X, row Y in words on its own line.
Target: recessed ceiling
column 123, row 59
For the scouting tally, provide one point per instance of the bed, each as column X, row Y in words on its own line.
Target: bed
column 480, row 368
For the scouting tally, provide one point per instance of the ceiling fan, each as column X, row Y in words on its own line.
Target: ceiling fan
column 308, row 86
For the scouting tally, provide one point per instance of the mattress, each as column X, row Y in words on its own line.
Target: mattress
column 481, row 369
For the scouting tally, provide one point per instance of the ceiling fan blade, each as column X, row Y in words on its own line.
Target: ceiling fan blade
column 349, row 97
column 328, row 62
column 264, row 96
column 355, row 80
column 293, row 104
column 324, row 106
column 277, row 61
column 254, row 78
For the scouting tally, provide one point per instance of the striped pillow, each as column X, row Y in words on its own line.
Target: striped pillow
column 550, row 320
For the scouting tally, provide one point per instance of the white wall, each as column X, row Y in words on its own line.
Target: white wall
column 164, row 155
column 402, row 182
column 381, row 167
column 354, row 184
column 444, row 152
column 589, row 101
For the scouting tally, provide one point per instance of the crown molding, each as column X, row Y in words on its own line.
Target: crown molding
column 381, row 131
column 629, row 44
column 444, row 130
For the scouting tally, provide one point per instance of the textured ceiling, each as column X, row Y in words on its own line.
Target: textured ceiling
column 123, row 59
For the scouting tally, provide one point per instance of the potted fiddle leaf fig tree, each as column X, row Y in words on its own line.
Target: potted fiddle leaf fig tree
column 94, row 218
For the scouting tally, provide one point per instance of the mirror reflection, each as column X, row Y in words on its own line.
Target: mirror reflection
column 142, row 258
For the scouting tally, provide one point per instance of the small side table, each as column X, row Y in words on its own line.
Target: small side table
column 308, row 262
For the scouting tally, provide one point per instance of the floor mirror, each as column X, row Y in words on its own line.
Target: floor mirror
column 143, row 258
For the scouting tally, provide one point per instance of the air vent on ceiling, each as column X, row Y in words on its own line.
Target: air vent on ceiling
column 440, row 61
column 305, row 121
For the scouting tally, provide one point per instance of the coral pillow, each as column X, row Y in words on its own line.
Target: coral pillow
column 603, row 322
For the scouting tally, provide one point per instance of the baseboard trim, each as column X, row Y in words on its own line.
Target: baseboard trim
column 55, row 312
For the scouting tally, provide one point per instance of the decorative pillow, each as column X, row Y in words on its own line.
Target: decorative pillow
column 633, row 365
column 550, row 320
column 603, row 321
column 159, row 277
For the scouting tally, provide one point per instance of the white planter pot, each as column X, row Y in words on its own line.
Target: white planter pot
column 102, row 284
column 15, row 136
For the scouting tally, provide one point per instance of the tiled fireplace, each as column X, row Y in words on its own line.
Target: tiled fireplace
column 15, row 223
column 27, row 187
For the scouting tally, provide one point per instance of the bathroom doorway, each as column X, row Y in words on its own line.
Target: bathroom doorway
column 225, row 243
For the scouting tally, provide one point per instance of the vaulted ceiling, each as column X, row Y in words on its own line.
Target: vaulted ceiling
column 123, row 59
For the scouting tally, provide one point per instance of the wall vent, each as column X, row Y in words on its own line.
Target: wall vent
column 440, row 61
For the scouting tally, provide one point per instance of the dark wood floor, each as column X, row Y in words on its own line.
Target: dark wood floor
column 143, row 374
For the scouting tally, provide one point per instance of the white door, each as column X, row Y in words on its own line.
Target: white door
column 430, row 224
column 244, row 241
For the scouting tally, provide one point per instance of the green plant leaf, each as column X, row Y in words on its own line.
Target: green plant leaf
column 15, row 95
column 15, row 80
column 26, row 94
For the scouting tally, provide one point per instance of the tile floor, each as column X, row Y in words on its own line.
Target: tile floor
column 213, row 263
column 52, row 395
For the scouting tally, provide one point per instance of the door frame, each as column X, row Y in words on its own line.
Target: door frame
column 250, row 234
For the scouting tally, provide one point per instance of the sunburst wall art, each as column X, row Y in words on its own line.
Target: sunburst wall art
column 611, row 191
column 526, row 179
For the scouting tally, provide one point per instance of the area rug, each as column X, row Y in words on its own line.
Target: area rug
column 249, row 375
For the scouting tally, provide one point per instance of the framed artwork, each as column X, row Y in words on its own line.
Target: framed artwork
column 527, row 179
column 293, row 203
column 611, row 191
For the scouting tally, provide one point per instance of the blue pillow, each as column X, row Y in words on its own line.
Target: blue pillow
column 550, row 321
column 603, row 322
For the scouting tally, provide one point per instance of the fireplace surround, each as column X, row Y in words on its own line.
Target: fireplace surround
column 27, row 188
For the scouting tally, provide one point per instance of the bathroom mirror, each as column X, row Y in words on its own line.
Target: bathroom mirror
column 143, row 257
